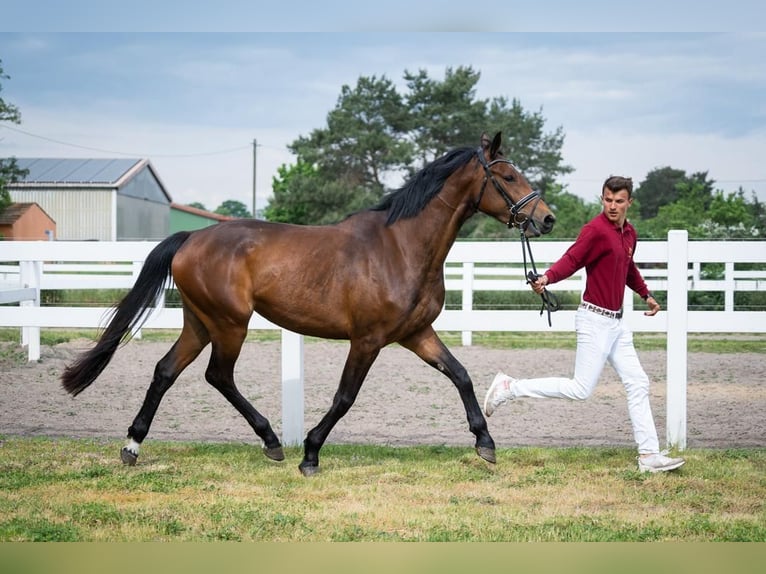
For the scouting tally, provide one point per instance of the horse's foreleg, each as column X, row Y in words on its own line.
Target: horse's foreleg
column 428, row 346
column 358, row 363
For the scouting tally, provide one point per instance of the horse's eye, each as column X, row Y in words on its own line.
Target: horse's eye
column 509, row 178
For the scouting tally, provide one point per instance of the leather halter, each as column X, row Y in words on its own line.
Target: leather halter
column 513, row 207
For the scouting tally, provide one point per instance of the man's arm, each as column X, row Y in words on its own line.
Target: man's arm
column 636, row 282
column 585, row 249
column 652, row 304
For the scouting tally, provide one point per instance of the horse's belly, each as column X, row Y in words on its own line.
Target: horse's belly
column 304, row 319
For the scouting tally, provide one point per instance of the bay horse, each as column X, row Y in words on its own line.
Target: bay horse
column 374, row 278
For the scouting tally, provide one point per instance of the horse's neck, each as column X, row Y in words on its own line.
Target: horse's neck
column 434, row 231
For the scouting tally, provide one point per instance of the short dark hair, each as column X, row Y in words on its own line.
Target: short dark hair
column 615, row 183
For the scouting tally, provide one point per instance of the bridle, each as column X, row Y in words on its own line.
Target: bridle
column 550, row 301
column 518, row 219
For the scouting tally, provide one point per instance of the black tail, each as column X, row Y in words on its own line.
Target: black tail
column 127, row 315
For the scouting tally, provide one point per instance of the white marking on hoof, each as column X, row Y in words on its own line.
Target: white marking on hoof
column 133, row 446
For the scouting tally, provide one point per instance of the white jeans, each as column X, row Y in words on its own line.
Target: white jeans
column 601, row 339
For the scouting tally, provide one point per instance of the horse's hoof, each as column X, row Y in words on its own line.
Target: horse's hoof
column 486, row 453
column 308, row 469
column 274, row 453
column 128, row 457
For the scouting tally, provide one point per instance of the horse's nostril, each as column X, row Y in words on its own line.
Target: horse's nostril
column 548, row 222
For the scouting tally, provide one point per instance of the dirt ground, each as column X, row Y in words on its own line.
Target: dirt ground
column 402, row 402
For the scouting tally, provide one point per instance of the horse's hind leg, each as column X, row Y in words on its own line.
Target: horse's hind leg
column 432, row 350
column 192, row 340
column 220, row 374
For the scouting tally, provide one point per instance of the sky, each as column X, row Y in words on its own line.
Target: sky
column 195, row 103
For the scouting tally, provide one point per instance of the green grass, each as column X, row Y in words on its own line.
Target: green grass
column 77, row 490
column 56, row 336
column 66, row 490
column 696, row 342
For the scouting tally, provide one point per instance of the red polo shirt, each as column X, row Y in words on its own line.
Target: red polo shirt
column 606, row 252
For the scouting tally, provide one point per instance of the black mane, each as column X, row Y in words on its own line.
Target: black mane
column 410, row 199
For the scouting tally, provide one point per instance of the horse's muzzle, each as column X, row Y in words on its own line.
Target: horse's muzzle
column 536, row 228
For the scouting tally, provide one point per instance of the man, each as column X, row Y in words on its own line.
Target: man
column 605, row 247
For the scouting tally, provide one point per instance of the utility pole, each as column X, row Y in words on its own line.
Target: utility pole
column 255, row 154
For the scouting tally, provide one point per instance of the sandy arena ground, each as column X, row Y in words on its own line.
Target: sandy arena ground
column 402, row 402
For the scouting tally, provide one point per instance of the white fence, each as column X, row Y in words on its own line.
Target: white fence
column 675, row 266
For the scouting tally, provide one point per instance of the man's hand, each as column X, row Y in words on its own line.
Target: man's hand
column 653, row 306
column 539, row 285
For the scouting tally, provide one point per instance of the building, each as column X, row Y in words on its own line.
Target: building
column 26, row 222
column 186, row 218
column 97, row 199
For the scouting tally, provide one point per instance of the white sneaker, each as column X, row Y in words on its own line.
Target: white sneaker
column 498, row 393
column 658, row 462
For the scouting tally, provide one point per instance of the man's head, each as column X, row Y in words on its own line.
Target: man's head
column 616, row 183
column 616, row 197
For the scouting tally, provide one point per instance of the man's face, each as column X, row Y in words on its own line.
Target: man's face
column 616, row 204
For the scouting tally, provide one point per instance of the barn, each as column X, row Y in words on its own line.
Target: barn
column 187, row 218
column 97, row 199
column 26, row 222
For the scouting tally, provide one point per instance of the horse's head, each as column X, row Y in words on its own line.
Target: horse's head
column 505, row 193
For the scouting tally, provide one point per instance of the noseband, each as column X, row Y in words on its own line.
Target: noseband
column 550, row 302
column 516, row 219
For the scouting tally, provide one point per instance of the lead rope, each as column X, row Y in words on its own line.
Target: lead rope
column 550, row 301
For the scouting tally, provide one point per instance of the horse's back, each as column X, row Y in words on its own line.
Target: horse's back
column 304, row 278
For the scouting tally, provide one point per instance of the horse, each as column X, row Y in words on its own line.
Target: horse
column 374, row 278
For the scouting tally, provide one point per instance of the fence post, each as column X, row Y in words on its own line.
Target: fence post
column 728, row 297
column 292, row 388
column 467, row 298
column 30, row 275
column 678, row 275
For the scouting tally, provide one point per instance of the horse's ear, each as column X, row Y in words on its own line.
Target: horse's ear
column 495, row 147
column 485, row 141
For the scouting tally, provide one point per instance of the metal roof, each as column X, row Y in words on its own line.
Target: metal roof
column 76, row 171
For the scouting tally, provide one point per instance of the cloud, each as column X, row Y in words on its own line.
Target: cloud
column 730, row 162
column 626, row 102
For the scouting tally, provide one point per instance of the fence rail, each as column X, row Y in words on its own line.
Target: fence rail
column 676, row 266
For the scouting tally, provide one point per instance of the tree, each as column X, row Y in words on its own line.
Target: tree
column 444, row 114
column 758, row 211
column 233, row 208
column 536, row 153
column 291, row 198
column 197, row 205
column 571, row 212
column 364, row 139
column 704, row 215
column 302, row 197
column 9, row 170
column 374, row 136
column 730, row 216
column 658, row 189
column 661, row 187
